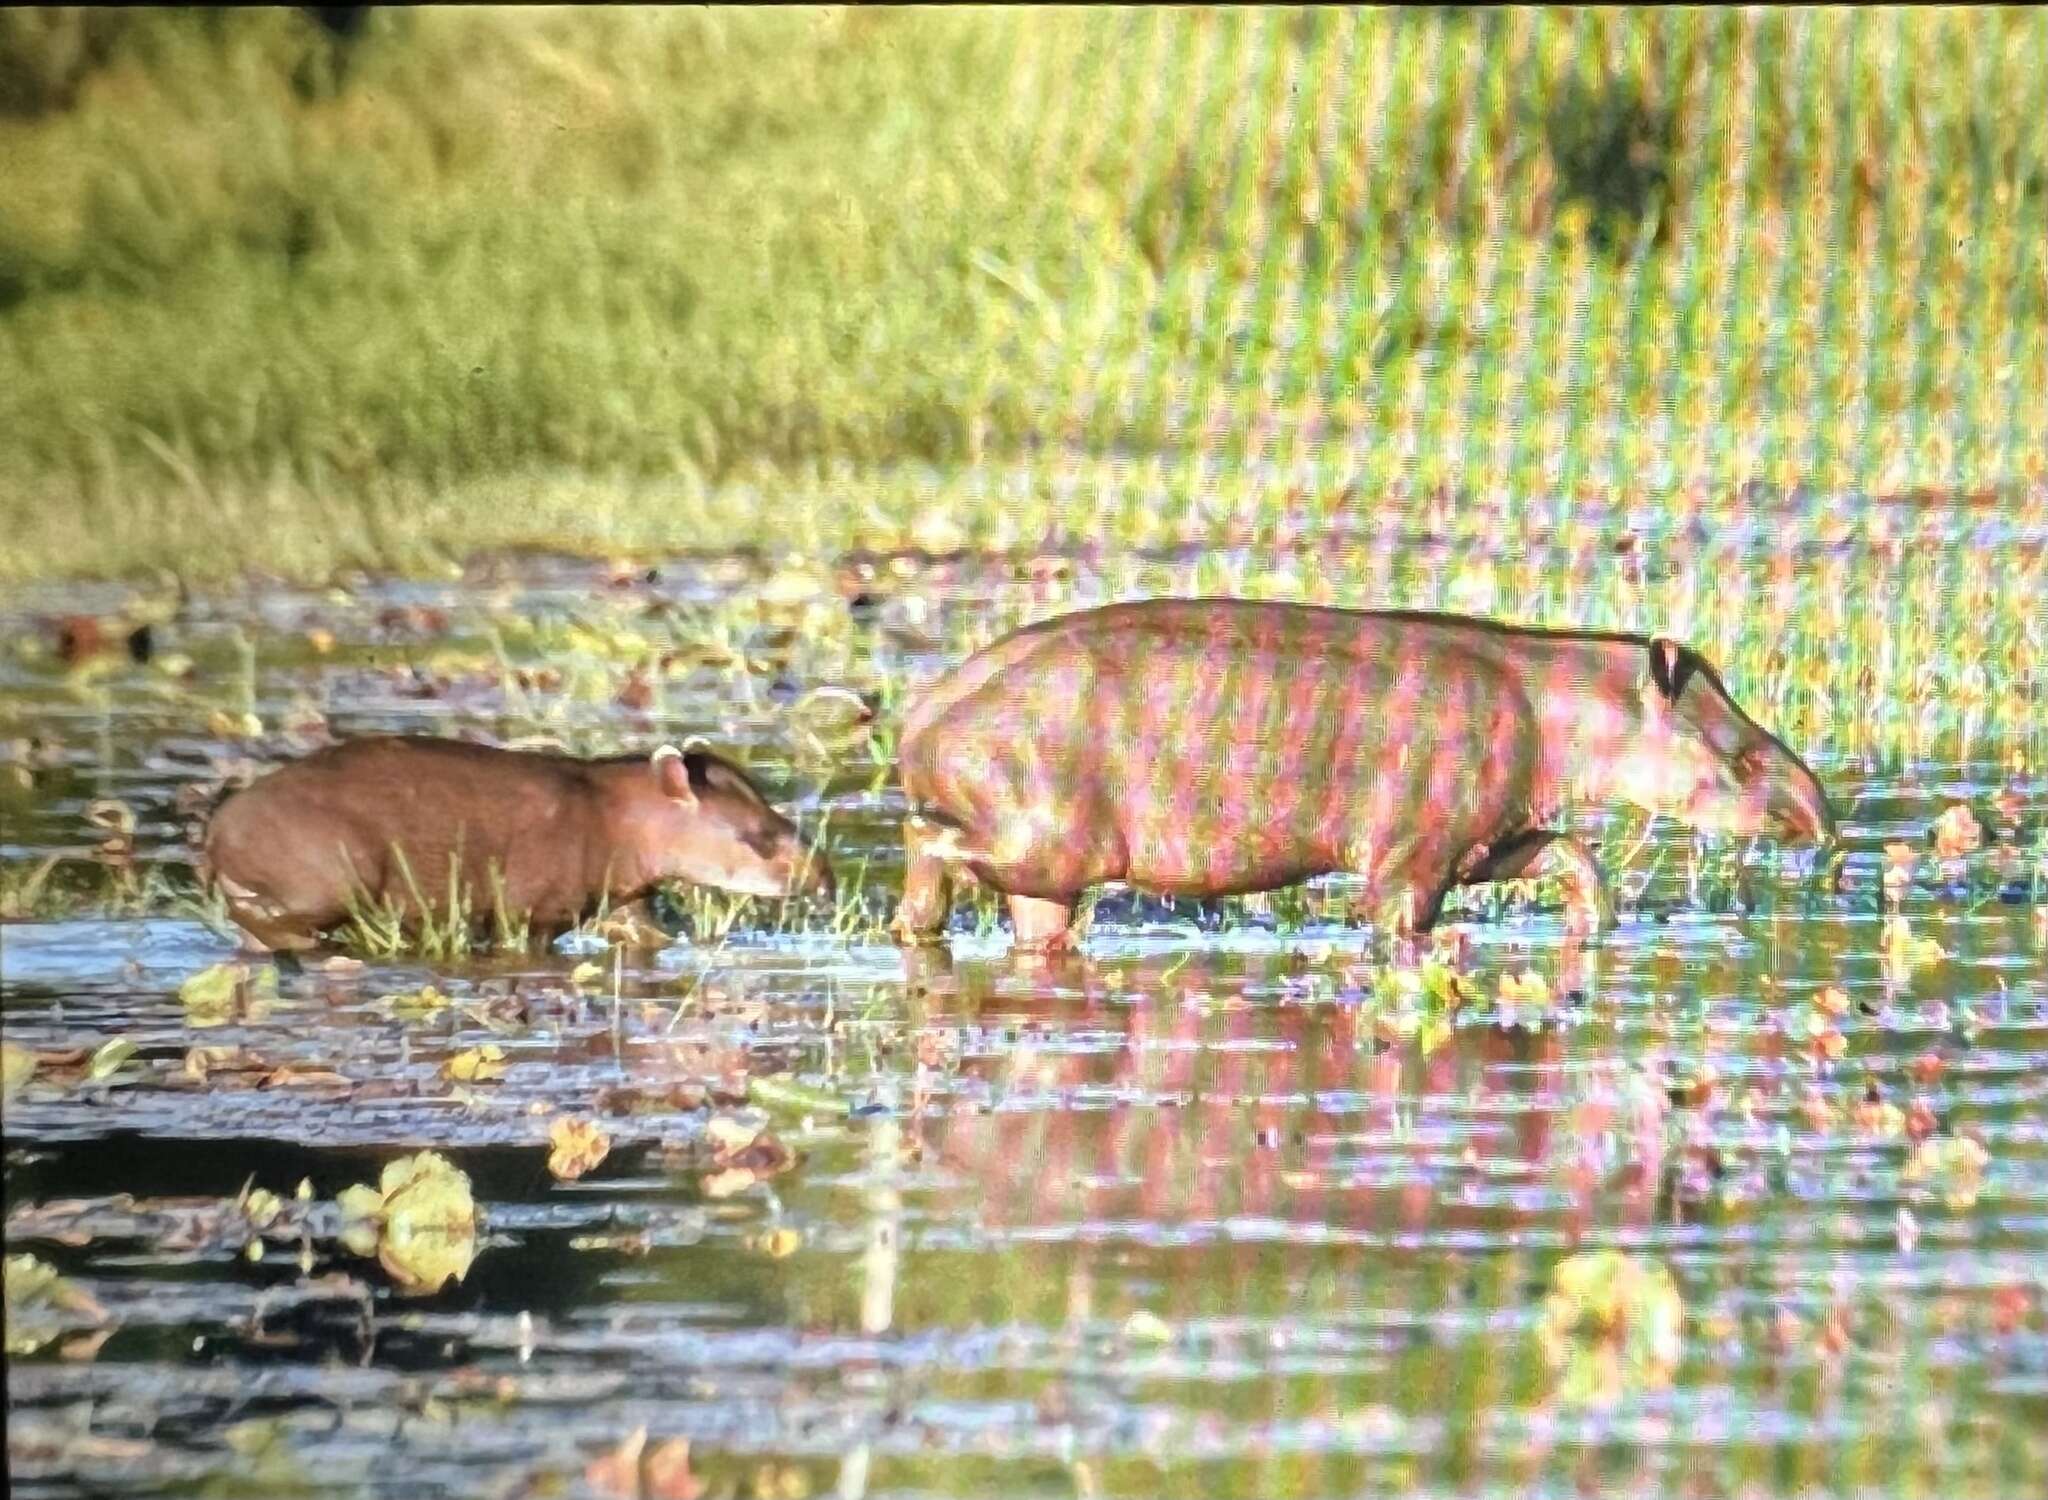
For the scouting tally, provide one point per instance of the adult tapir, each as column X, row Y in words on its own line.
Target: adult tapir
column 1207, row 747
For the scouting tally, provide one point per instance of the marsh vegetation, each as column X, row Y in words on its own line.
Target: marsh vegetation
column 597, row 378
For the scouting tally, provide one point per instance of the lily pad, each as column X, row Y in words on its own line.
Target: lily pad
column 42, row 1305
column 1612, row 1326
column 577, row 1146
column 17, row 1067
column 423, row 1219
column 477, row 1065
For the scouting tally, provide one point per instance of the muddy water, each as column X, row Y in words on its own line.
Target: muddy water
column 1195, row 1213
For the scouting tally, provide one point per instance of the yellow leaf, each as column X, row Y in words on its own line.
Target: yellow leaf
column 17, row 1066
column 106, row 1062
column 1612, row 1323
column 209, row 995
column 361, row 1206
column 414, row 1004
column 477, row 1065
column 429, row 1222
column 1143, row 1327
column 262, row 1207
column 779, row 1244
column 243, row 726
column 576, row 1146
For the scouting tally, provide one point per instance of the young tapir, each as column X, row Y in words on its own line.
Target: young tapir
column 544, row 835
column 1207, row 747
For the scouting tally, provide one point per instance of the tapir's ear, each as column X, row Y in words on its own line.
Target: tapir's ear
column 1668, row 666
column 672, row 775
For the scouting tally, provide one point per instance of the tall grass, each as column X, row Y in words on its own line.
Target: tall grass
column 611, row 277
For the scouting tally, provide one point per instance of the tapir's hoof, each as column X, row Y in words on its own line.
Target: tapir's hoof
column 908, row 935
column 1050, row 945
column 1589, row 919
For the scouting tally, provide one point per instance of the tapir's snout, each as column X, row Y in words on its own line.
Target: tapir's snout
column 1798, row 812
column 813, row 877
column 803, row 870
column 1797, row 807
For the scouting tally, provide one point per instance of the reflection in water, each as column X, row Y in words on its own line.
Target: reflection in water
column 1182, row 1215
column 878, row 1264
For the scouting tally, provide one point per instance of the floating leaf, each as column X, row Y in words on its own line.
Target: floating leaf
column 228, row 726
column 793, row 584
column 266, row 1463
column 262, row 1207
column 1143, row 1327
column 1432, row 1034
column 17, row 1067
column 779, row 1244
column 575, row 1147
column 202, row 1063
column 1903, row 952
column 42, row 1306
column 114, row 816
column 1951, row 1165
column 214, row 995
column 477, row 1065
column 1611, row 1325
column 210, row 993
column 631, row 927
column 420, row 1221
column 106, row 1062
column 826, row 721
column 304, row 1076
column 429, row 1222
column 413, row 1005
column 728, row 1182
column 1880, row 1118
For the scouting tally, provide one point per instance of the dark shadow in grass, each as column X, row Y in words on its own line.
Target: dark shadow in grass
column 1612, row 151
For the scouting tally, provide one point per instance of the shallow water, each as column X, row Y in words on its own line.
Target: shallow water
column 1185, row 1215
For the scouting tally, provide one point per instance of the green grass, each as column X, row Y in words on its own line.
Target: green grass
column 641, row 279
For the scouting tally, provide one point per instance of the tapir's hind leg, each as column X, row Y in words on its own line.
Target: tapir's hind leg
column 1405, row 886
column 932, row 853
column 1541, row 853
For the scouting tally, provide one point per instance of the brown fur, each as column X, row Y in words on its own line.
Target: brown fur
column 1215, row 746
column 546, row 835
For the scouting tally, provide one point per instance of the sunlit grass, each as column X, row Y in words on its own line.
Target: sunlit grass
column 647, row 279
column 390, row 925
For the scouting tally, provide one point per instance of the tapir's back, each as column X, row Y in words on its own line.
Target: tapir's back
column 1202, row 744
column 1158, row 678
column 304, row 831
